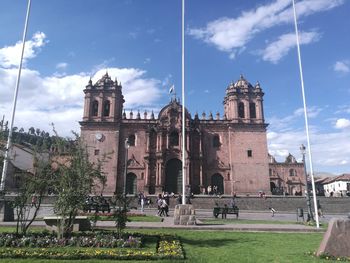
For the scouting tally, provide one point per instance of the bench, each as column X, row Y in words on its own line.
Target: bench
column 81, row 223
column 229, row 210
column 97, row 207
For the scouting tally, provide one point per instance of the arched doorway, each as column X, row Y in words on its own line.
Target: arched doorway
column 273, row 187
column 173, row 176
column 131, row 183
column 218, row 180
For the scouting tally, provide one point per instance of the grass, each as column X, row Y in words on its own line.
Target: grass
column 148, row 218
column 220, row 221
column 228, row 246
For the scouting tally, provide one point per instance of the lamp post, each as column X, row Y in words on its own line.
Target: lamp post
column 307, row 192
column 126, row 145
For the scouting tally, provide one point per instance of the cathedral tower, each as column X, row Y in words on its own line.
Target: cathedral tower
column 100, row 127
column 244, row 102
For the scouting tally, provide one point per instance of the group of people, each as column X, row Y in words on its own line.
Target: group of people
column 211, row 190
column 163, row 201
column 143, row 200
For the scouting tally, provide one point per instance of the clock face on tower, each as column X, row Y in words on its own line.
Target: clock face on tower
column 99, row 136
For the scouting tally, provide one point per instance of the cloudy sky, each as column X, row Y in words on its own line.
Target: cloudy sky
column 139, row 43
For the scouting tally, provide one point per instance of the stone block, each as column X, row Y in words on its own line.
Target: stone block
column 184, row 215
column 184, row 219
column 336, row 241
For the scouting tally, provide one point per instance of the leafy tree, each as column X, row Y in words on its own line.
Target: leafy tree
column 77, row 178
column 32, row 189
column 31, row 130
column 121, row 202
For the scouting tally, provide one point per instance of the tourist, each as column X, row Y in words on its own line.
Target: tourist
column 179, row 200
column 233, row 202
column 224, row 212
column 159, row 204
column 209, row 190
column 273, row 211
column 167, row 202
column 142, row 202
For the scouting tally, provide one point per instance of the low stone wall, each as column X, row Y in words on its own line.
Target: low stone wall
column 330, row 205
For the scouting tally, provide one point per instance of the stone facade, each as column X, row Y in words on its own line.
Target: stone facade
column 229, row 152
column 287, row 177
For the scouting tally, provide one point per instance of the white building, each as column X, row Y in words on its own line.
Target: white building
column 337, row 186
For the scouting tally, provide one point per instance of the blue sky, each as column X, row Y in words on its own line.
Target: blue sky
column 139, row 42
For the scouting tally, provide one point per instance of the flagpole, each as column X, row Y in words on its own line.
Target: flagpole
column 305, row 116
column 183, row 106
column 9, row 141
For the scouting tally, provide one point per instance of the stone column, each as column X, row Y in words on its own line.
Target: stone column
column 235, row 108
column 147, row 179
column 246, row 109
column 100, row 106
column 87, row 107
column 112, row 112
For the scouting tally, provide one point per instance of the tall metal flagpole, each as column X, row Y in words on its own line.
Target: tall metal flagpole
column 183, row 107
column 9, row 142
column 306, row 117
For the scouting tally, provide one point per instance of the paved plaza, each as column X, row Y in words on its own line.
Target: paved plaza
column 288, row 225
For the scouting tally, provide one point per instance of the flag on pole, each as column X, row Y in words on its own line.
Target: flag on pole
column 172, row 88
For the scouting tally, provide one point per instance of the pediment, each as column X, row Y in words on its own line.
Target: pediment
column 134, row 164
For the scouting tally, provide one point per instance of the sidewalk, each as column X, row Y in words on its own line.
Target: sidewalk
column 168, row 224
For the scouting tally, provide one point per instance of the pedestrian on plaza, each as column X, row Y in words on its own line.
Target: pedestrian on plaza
column 142, row 203
column 319, row 209
column 273, row 211
column 233, row 202
column 224, row 212
column 179, row 200
column 159, row 204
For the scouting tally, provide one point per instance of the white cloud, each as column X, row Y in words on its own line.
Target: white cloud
column 279, row 48
column 287, row 123
column 231, row 34
column 10, row 55
column 330, row 151
column 342, row 123
column 62, row 65
column 59, row 98
column 342, row 66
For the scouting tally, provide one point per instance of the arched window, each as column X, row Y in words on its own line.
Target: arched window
column 241, row 110
column 174, row 138
column 292, row 172
column 132, row 140
column 106, row 108
column 252, row 110
column 94, row 108
column 216, row 141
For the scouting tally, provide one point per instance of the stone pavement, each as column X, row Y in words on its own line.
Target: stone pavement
column 207, row 214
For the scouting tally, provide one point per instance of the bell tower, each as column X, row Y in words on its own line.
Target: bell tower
column 100, row 128
column 244, row 102
column 103, row 101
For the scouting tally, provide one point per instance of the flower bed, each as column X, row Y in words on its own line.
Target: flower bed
column 168, row 247
column 98, row 239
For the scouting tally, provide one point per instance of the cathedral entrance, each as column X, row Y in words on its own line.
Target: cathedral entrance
column 131, row 183
column 173, row 176
column 218, row 181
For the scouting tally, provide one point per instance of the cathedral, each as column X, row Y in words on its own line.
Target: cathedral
column 144, row 151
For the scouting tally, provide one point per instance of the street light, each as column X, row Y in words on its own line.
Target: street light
column 126, row 145
column 307, row 192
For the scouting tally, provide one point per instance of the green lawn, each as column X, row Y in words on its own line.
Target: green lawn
column 228, row 246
